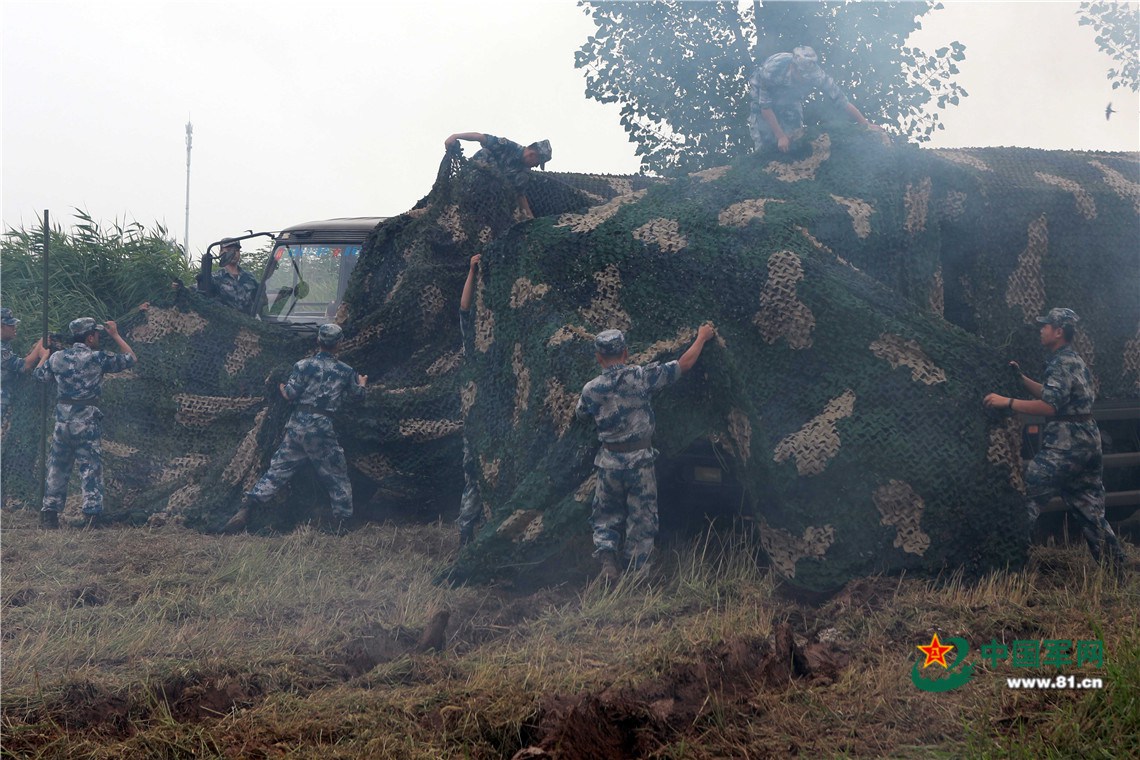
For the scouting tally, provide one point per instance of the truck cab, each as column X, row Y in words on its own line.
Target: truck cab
column 307, row 271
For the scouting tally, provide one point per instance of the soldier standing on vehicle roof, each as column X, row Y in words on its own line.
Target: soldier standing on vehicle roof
column 78, row 373
column 317, row 385
column 777, row 91
column 512, row 159
column 1069, row 462
column 11, row 366
column 625, row 499
column 470, row 506
column 235, row 287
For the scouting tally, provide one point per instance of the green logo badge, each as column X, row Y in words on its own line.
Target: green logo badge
column 954, row 673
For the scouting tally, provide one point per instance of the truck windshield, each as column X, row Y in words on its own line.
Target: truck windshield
column 307, row 279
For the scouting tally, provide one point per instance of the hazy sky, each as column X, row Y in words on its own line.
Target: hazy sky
column 312, row 110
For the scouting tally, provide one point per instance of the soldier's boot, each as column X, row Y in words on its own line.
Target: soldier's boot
column 1118, row 561
column 642, row 562
column 238, row 522
column 466, row 535
column 1119, row 567
column 49, row 519
column 1096, row 538
column 343, row 523
column 610, row 572
column 91, row 522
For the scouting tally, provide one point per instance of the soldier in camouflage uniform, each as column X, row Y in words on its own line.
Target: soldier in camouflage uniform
column 470, row 507
column 1069, row 463
column 11, row 366
column 777, row 91
column 234, row 286
column 318, row 385
column 78, row 374
column 510, row 158
column 625, row 499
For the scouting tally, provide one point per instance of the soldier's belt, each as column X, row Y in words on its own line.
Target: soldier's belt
column 628, row 446
column 75, row 403
column 1071, row 418
column 313, row 410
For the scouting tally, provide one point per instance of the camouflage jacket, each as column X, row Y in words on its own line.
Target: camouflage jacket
column 236, row 292
column 322, row 382
column 78, row 374
column 771, row 85
column 618, row 402
column 10, row 367
column 1068, row 388
column 507, row 156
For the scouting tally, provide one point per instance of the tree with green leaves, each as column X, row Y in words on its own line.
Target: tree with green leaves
column 679, row 70
column 1117, row 27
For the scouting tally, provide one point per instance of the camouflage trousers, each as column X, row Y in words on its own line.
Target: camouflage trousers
column 470, row 510
column 75, row 442
column 625, row 507
column 308, row 437
column 1076, row 476
column 791, row 120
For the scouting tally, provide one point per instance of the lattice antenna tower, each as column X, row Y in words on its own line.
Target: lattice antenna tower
column 189, row 143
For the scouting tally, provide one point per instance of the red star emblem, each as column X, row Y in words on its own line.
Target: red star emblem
column 935, row 652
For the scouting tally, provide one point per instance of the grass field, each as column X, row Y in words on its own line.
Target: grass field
column 165, row 643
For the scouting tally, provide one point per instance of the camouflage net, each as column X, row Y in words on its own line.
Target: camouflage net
column 866, row 298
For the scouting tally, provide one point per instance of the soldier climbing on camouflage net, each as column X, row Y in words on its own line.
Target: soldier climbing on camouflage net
column 78, row 374
column 1070, row 462
column 512, row 159
column 470, row 508
column 11, row 366
column 317, row 384
column 777, row 91
column 625, row 499
column 234, row 286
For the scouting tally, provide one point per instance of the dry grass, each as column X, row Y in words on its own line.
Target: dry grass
column 168, row 643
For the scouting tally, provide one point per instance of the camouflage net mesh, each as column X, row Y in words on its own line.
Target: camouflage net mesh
column 866, row 298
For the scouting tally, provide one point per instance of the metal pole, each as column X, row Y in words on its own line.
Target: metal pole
column 186, row 234
column 42, row 458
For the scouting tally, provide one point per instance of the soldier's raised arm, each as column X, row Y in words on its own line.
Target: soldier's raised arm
column 705, row 333
column 113, row 331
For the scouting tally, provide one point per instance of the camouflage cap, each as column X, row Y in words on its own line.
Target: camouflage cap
column 6, row 316
column 805, row 60
column 1059, row 317
column 329, row 334
column 80, row 327
column 610, row 343
column 544, row 151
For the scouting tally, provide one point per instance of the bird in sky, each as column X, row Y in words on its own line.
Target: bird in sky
column 1108, row 111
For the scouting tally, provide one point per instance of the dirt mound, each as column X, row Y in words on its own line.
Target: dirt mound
column 88, row 705
column 634, row 721
column 374, row 646
column 199, row 696
column 186, row 697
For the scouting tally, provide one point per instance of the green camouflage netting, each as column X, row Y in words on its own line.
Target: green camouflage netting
column 843, row 394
